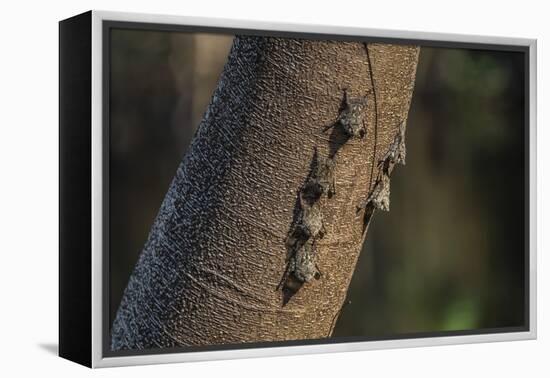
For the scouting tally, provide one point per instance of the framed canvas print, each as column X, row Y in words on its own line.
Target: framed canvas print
column 234, row 189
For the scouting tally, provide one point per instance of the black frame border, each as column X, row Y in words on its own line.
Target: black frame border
column 75, row 189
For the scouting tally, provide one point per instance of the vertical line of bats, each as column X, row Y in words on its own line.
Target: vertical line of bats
column 309, row 226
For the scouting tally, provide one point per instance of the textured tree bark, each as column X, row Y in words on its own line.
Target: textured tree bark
column 217, row 252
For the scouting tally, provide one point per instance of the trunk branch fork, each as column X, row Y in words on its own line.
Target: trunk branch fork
column 237, row 254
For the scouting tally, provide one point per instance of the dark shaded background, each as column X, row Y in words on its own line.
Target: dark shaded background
column 449, row 255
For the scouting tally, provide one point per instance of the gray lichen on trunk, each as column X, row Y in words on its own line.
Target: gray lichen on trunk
column 217, row 249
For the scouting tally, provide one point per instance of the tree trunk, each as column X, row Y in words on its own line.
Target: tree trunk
column 220, row 265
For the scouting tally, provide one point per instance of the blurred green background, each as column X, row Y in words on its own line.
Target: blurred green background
column 449, row 255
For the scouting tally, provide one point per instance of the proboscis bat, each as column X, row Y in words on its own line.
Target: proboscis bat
column 302, row 264
column 320, row 182
column 397, row 151
column 380, row 196
column 325, row 176
column 301, row 268
column 351, row 116
column 311, row 224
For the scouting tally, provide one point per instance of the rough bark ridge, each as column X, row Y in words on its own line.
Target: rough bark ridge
column 211, row 268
